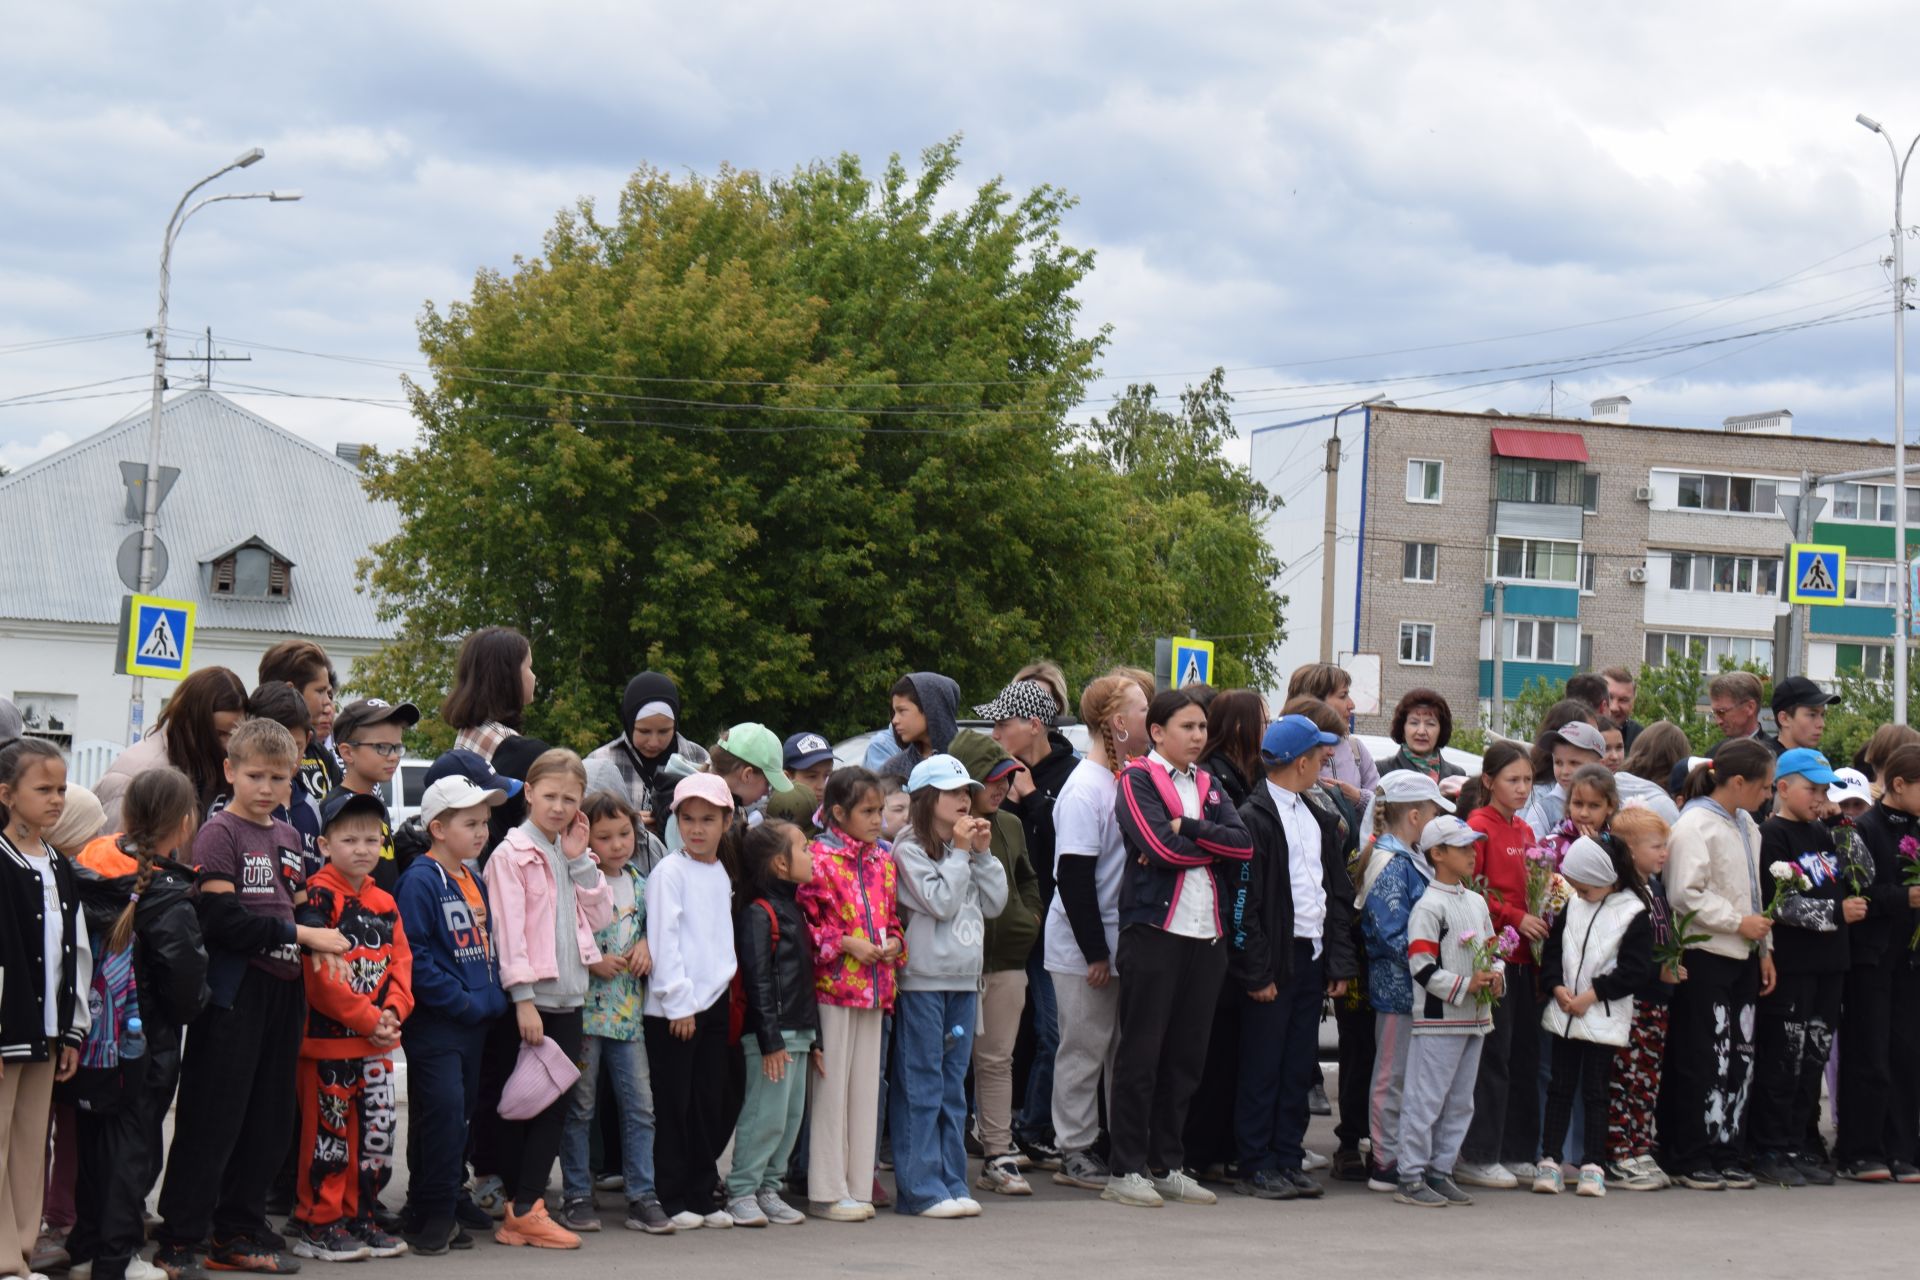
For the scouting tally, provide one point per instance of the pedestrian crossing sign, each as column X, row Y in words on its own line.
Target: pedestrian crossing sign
column 159, row 638
column 1192, row 662
column 1816, row 574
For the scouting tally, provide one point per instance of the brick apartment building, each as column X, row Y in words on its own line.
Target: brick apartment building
column 1615, row 542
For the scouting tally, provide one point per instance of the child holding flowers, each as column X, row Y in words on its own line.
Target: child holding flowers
column 1599, row 953
column 1634, row 1087
column 1879, row 1086
column 1455, row 985
column 1813, row 909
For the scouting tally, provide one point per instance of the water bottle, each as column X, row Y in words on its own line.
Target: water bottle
column 954, row 1036
column 133, row 1045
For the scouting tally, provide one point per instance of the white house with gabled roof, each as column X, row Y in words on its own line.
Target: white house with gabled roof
column 263, row 531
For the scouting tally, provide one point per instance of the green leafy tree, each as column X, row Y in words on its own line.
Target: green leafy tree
column 784, row 438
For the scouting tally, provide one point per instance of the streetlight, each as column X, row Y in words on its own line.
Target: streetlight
column 1902, row 606
column 137, row 705
column 1327, row 539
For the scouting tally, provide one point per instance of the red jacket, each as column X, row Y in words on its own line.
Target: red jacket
column 342, row 1015
column 1502, row 859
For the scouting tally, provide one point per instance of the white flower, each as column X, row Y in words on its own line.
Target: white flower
column 1784, row 871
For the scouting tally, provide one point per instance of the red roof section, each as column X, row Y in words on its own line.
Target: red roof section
column 1548, row 446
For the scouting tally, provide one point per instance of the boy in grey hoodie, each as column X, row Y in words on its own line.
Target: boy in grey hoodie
column 946, row 899
column 926, row 709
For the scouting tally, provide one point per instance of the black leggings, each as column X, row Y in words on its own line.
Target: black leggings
column 528, row 1148
column 1588, row 1065
column 689, row 1106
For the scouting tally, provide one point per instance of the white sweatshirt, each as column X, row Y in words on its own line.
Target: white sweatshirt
column 690, row 933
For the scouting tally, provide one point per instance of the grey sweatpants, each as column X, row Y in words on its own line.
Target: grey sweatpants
column 1436, row 1105
column 1089, row 1035
column 1392, row 1037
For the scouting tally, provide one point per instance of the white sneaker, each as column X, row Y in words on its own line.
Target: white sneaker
column 778, row 1211
column 745, row 1211
column 1593, row 1181
column 1485, row 1175
column 1179, row 1187
column 1525, row 1171
column 687, row 1220
column 717, row 1220
column 138, row 1268
column 1132, row 1189
column 1313, row 1160
column 945, row 1209
column 968, row 1205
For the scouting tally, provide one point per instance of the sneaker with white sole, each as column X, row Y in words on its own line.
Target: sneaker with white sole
column 718, row 1220
column 138, row 1268
column 687, row 1220
column 745, row 1211
column 1133, row 1190
column 778, row 1211
column 968, row 1206
column 1420, row 1195
column 610, row 1182
column 1494, row 1176
column 1593, row 1181
column 1524, row 1172
column 1082, row 1169
column 1549, row 1181
column 1001, row 1175
column 944, row 1209
column 1178, row 1186
column 1313, row 1161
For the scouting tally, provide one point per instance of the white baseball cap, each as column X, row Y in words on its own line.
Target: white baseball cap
column 1408, row 786
column 1446, row 829
column 1582, row 735
column 455, row 793
column 1851, row 784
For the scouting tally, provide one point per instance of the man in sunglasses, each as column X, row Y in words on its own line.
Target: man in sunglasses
column 367, row 736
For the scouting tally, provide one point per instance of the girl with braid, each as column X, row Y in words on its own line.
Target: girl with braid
column 1083, row 925
column 149, row 963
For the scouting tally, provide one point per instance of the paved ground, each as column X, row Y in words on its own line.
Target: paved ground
column 1061, row 1233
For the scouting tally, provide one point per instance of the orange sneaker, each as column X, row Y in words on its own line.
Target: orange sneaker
column 536, row 1229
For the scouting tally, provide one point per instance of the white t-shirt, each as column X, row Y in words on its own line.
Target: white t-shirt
column 1192, row 915
column 621, row 886
column 1084, row 826
column 53, row 929
column 690, row 933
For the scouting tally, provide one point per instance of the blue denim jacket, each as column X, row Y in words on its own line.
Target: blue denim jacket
column 1383, row 923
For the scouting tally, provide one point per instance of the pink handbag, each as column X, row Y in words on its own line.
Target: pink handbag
column 541, row 1077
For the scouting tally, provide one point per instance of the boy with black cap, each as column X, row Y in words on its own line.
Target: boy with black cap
column 808, row 758
column 347, row 1103
column 1799, row 714
column 367, row 736
column 456, row 984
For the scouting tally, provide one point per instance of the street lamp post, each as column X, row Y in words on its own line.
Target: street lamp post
column 150, row 490
column 1902, row 606
column 1329, row 535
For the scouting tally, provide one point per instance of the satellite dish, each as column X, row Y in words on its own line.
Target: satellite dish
column 127, row 561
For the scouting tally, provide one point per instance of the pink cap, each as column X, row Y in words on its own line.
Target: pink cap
column 541, row 1077
column 703, row 786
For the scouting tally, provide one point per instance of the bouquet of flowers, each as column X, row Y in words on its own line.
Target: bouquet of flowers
column 1486, row 952
column 1910, row 875
column 1543, row 871
column 1787, row 878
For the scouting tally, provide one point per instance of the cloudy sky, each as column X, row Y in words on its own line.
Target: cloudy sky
column 1305, row 193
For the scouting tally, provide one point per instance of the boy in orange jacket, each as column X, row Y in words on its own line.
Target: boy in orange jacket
column 354, row 1012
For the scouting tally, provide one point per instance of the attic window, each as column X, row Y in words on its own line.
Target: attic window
column 252, row 573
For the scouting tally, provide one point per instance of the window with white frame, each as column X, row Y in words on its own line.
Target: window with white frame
column 1870, row 583
column 1587, row 571
column 1590, row 493
column 1535, row 560
column 1871, row 503
column 1741, row 495
column 1715, row 651
column 1540, row 640
column 1416, row 644
column 1424, row 478
column 1419, row 561
column 1742, row 575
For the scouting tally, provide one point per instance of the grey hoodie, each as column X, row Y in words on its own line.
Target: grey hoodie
column 946, row 905
column 940, row 703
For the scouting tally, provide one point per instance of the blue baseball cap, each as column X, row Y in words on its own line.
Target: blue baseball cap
column 805, row 750
column 470, row 765
column 1290, row 737
column 1807, row 762
column 942, row 773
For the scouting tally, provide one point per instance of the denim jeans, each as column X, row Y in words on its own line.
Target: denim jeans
column 627, row 1063
column 933, row 1042
column 1035, row 1121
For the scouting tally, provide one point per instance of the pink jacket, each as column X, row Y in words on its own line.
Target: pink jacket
column 521, row 894
column 851, row 895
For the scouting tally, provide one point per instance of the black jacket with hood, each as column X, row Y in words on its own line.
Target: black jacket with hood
column 939, row 699
column 1035, row 809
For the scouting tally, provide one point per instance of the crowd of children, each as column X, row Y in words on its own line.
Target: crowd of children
column 632, row 964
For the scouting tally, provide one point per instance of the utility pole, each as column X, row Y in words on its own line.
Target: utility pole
column 1902, row 606
column 208, row 358
column 1802, row 519
column 1329, row 537
column 1497, row 720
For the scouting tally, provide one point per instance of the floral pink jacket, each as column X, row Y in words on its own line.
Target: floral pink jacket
column 851, row 895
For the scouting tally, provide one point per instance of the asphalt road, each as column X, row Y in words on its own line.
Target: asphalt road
column 1061, row 1233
